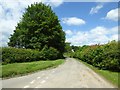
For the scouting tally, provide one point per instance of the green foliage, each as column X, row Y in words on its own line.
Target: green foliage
column 68, row 48
column 11, row 70
column 75, row 48
column 39, row 27
column 49, row 53
column 12, row 55
column 102, row 56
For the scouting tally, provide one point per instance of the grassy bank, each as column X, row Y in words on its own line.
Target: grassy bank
column 108, row 75
column 17, row 69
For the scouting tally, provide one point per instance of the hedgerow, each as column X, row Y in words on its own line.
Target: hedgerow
column 102, row 56
column 12, row 55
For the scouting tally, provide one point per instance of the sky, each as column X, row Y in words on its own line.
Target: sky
column 85, row 23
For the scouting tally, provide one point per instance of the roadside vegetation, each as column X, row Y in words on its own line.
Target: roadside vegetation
column 18, row 55
column 39, row 29
column 18, row 69
column 104, row 59
column 37, row 42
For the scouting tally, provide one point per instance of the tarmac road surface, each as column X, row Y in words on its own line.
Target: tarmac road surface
column 71, row 74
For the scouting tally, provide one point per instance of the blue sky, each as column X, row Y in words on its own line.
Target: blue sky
column 98, row 20
column 83, row 22
column 82, row 9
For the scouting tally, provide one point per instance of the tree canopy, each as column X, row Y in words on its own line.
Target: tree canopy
column 38, row 28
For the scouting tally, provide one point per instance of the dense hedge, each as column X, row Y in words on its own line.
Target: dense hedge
column 12, row 55
column 102, row 56
column 49, row 53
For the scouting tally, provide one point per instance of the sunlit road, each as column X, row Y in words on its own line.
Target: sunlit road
column 71, row 74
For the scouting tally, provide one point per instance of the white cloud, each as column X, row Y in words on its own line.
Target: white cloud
column 68, row 32
column 73, row 21
column 114, row 30
column 114, row 37
column 54, row 3
column 96, row 9
column 99, row 30
column 96, row 35
column 11, row 12
column 113, row 15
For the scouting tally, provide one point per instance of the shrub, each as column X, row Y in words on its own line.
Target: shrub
column 49, row 53
column 102, row 56
column 12, row 55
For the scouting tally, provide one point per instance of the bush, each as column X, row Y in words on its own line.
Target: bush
column 102, row 56
column 49, row 53
column 12, row 55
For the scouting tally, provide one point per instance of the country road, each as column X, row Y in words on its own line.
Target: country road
column 71, row 74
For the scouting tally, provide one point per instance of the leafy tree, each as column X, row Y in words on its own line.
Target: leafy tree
column 68, row 47
column 75, row 48
column 38, row 27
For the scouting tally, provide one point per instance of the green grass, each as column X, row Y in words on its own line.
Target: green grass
column 18, row 69
column 108, row 75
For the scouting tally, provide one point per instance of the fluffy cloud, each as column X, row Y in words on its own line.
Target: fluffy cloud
column 96, row 35
column 68, row 32
column 54, row 3
column 99, row 30
column 113, row 15
column 11, row 12
column 96, row 9
column 73, row 21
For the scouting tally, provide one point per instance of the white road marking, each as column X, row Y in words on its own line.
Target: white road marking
column 38, row 77
column 26, row 86
column 32, row 82
column 43, row 82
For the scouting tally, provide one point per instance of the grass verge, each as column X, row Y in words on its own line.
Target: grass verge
column 108, row 75
column 18, row 69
